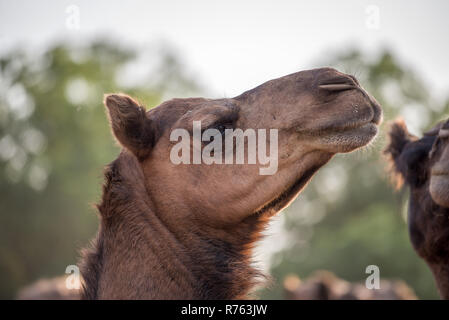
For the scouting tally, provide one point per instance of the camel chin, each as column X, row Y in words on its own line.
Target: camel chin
column 353, row 139
column 345, row 140
column 439, row 184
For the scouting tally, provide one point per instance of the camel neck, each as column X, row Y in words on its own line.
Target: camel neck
column 221, row 259
column 441, row 274
column 139, row 256
column 134, row 256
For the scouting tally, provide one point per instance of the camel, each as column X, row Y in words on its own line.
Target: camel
column 186, row 231
column 324, row 285
column 423, row 164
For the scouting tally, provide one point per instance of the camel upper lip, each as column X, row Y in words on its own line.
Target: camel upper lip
column 375, row 120
column 376, row 117
column 343, row 84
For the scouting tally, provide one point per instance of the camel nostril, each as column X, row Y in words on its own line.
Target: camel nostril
column 337, row 84
column 337, row 87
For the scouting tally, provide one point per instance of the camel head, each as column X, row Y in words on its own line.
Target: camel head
column 423, row 164
column 307, row 118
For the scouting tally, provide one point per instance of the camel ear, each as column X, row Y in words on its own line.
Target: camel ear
column 130, row 124
column 399, row 138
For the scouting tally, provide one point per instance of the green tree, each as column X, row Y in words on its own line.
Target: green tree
column 54, row 141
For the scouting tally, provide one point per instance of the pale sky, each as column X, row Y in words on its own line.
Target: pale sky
column 235, row 45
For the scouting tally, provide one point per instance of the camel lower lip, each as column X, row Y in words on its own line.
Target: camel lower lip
column 350, row 139
column 367, row 128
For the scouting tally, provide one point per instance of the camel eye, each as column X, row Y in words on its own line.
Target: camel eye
column 221, row 128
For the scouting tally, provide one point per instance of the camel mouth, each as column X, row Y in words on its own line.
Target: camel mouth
column 365, row 128
column 370, row 128
column 367, row 114
column 354, row 126
column 350, row 136
column 359, row 129
column 374, row 118
column 372, row 122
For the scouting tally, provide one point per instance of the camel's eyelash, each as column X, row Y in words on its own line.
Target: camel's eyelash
column 220, row 126
column 227, row 121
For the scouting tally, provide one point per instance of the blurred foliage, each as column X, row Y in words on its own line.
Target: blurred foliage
column 349, row 216
column 54, row 141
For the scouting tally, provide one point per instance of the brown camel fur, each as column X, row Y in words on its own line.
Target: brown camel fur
column 183, row 231
column 424, row 165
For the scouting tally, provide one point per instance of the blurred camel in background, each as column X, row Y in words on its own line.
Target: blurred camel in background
column 324, row 285
column 423, row 164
